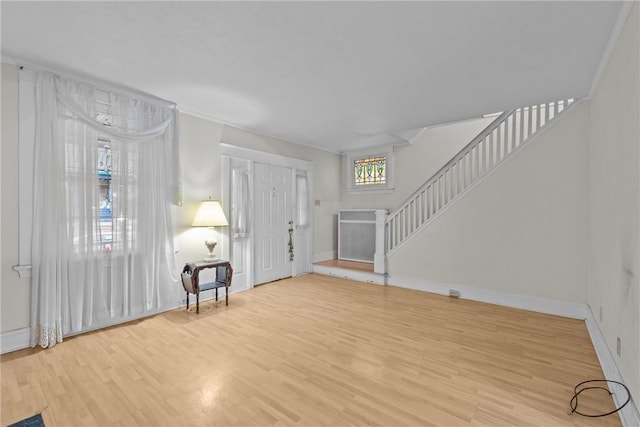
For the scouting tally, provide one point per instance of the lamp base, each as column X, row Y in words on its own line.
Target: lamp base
column 210, row 244
column 211, row 258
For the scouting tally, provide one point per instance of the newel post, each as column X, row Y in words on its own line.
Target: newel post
column 379, row 264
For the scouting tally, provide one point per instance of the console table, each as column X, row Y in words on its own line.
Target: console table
column 191, row 279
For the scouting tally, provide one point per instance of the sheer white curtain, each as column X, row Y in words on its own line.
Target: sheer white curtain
column 302, row 197
column 79, row 282
column 240, row 204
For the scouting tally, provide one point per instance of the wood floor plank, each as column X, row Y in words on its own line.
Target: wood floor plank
column 314, row 351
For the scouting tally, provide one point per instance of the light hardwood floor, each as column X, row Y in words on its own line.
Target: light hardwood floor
column 314, row 351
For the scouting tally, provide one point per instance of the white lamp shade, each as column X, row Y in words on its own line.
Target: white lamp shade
column 210, row 214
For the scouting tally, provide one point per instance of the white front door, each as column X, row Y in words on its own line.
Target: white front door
column 273, row 213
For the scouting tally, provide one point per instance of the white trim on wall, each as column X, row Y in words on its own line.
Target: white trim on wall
column 15, row 340
column 343, row 273
column 524, row 302
column 629, row 415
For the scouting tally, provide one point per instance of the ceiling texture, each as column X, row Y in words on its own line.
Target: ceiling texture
column 335, row 75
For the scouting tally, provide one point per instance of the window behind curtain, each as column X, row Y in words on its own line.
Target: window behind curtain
column 111, row 229
column 105, row 193
column 105, row 166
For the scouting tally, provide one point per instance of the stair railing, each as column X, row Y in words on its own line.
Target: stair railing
column 508, row 132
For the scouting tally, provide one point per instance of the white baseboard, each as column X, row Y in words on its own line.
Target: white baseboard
column 360, row 276
column 629, row 415
column 15, row 340
column 325, row 256
column 524, row 302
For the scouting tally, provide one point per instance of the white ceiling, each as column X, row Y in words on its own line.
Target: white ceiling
column 338, row 75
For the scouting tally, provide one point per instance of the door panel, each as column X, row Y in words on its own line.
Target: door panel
column 274, row 211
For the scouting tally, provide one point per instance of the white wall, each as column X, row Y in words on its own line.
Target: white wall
column 523, row 230
column 201, row 171
column 416, row 163
column 614, row 202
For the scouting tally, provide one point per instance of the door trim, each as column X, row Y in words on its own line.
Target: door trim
column 227, row 152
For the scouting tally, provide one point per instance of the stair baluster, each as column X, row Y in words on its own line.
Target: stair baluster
column 506, row 134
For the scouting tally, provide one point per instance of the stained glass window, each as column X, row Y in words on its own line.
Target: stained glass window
column 370, row 171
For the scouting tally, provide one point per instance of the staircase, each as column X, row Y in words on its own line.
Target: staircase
column 503, row 137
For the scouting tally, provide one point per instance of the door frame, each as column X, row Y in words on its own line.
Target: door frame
column 229, row 152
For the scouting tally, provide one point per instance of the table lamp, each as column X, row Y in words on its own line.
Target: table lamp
column 210, row 214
